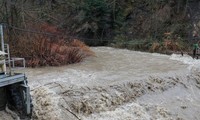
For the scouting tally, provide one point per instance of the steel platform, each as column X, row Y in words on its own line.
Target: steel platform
column 8, row 80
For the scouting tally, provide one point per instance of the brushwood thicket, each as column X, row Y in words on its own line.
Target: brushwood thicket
column 150, row 25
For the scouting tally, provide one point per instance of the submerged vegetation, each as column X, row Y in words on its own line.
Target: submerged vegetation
column 147, row 25
column 42, row 52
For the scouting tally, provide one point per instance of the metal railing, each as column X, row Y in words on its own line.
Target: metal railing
column 8, row 61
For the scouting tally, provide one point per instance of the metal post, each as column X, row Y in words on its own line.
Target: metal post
column 2, row 38
column 2, row 46
column 8, row 53
column 26, row 98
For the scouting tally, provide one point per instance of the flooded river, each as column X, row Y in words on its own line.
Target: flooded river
column 118, row 84
column 109, row 66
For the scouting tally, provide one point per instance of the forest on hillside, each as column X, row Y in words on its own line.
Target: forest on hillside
column 148, row 25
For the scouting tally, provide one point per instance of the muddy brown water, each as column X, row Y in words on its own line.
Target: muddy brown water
column 118, row 84
column 110, row 66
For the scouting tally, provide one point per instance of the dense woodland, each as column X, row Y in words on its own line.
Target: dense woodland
column 149, row 25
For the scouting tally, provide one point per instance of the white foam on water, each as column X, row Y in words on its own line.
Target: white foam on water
column 104, row 102
column 45, row 104
column 194, row 64
column 110, row 66
column 133, row 111
column 92, row 79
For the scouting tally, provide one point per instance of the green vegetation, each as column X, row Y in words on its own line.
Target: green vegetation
column 133, row 24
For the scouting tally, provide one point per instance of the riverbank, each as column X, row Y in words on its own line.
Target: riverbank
column 165, row 46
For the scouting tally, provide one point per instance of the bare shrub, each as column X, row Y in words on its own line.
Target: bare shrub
column 43, row 52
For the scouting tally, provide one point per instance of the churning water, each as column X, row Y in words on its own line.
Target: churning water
column 118, row 84
column 110, row 66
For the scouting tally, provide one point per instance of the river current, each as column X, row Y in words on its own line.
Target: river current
column 118, row 84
